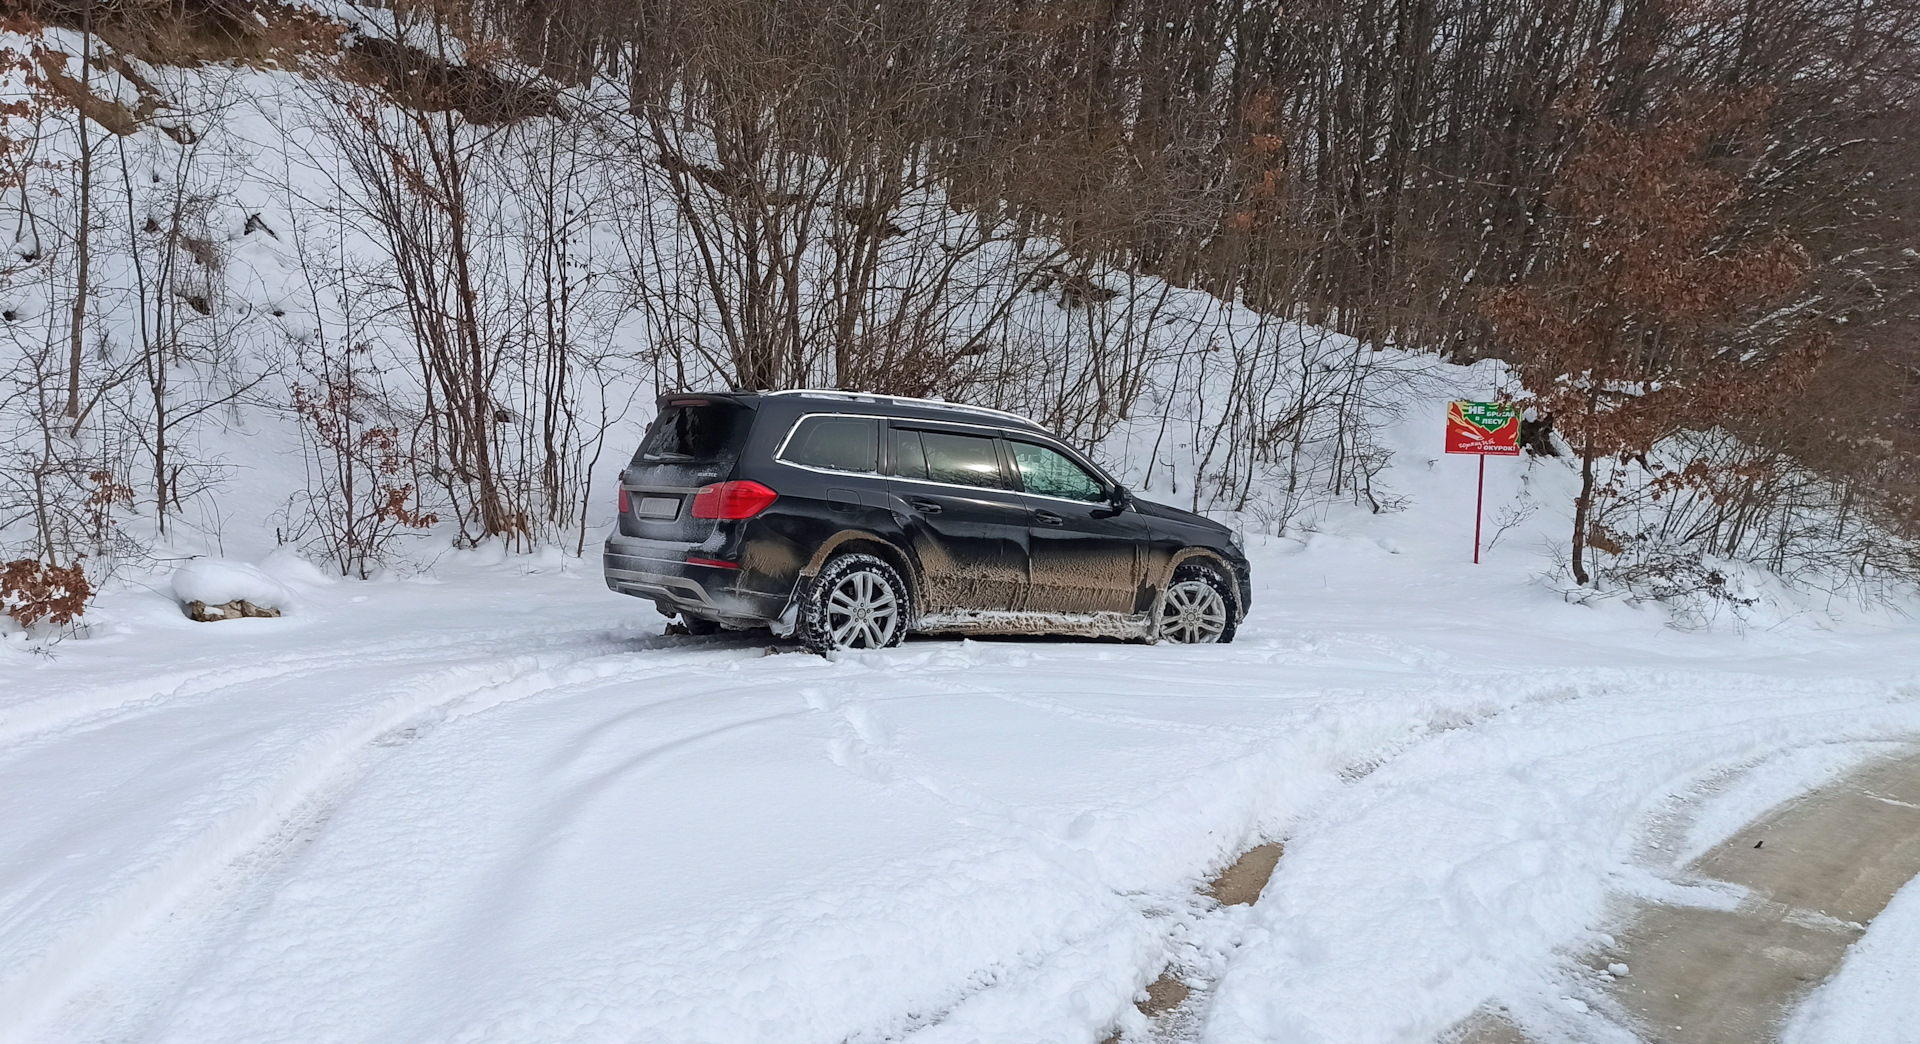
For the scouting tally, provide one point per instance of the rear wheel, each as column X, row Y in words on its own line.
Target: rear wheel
column 1198, row 607
column 857, row 602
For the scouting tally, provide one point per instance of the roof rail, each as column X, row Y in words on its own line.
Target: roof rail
column 905, row 400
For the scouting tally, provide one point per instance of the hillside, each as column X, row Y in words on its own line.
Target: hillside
column 370, row 279
column 358, row 312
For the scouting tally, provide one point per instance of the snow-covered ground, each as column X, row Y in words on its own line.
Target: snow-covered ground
column 492, row 802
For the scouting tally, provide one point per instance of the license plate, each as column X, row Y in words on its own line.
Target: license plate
column 667, row 508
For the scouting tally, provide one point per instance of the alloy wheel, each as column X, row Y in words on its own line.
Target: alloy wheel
column 1194, row 613
column 862, row 611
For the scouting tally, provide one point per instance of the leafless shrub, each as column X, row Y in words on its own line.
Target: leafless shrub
column 357, row 497
column 1648, row 322
column 1715, row 498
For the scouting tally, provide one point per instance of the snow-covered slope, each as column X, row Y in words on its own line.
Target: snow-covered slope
column 238, row 240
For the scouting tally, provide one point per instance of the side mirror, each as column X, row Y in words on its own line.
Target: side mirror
column 1118, row 498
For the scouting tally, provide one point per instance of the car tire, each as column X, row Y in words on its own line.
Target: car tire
column 1198, row 607
column 857, row 602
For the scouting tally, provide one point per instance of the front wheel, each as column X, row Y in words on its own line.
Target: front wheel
column 1198, row 607
column 857, row 602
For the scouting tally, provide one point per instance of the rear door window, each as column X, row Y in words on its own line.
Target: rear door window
column 941, row 456
column 836, row 444
column 909, row 457
column 694, row 433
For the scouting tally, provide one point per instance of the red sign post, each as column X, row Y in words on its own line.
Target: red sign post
column 1484, row 429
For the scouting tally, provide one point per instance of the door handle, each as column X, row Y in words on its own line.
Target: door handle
column 1049, row 518
column 925, row 507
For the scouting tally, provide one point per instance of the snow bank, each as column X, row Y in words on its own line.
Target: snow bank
column 285, row 565
column 1751, row 793
column 1872, row 1000
column 1471, row 866
column 217, row 581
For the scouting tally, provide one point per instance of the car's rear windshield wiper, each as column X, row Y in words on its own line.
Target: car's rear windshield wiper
column 676, row 457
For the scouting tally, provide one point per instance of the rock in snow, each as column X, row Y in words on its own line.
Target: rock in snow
column 218, row 581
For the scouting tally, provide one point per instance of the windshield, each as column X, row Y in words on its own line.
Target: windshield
column 693, row 433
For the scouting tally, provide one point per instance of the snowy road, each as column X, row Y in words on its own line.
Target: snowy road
column 502, row 808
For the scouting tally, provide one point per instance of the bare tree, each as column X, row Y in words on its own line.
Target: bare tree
column 1650, row 323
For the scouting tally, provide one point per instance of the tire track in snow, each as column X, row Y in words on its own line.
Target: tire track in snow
column 1175, row 1003
column 36, row 720
column 319, row 767
column 1134, row 721
column 1520, row 832
column 1197, row 933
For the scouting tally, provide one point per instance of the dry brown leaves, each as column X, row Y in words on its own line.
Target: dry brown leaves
column 31, row 591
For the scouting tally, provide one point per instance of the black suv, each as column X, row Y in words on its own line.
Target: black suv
column 851, row 519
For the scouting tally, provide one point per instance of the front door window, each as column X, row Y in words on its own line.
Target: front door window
column 1049, row 473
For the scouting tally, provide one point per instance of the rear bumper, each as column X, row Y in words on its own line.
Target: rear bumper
column 659, row 570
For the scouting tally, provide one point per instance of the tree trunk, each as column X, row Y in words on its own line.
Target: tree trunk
column 1583, row 504
column 83, row 251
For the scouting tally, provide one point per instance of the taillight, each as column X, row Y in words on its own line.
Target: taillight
column 732, row 500
column 626, row 502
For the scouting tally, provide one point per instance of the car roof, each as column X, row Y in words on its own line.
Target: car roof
column 864, row 402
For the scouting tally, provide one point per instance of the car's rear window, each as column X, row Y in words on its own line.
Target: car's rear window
column 694, row 433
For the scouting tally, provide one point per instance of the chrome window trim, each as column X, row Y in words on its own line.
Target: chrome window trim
column 906, row 423
column 780, row 455
column 956, row 485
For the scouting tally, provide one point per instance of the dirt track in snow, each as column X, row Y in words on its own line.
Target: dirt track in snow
column 1169, row 1001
